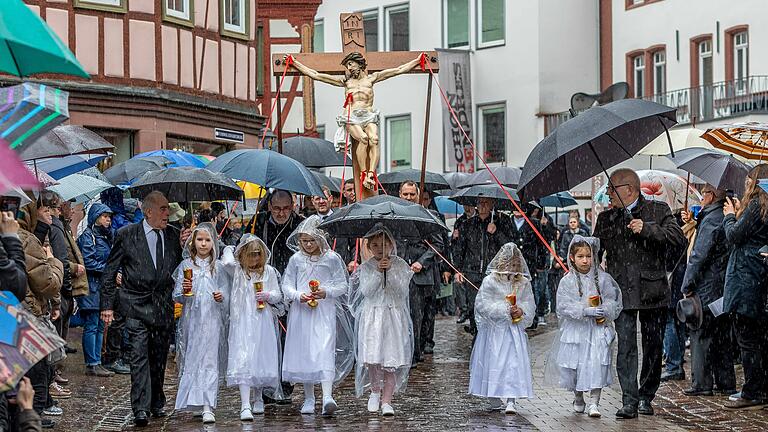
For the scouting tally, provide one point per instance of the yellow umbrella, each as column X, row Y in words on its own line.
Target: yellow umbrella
column 251, row 190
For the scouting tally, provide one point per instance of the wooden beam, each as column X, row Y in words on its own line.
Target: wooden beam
column 330, row 63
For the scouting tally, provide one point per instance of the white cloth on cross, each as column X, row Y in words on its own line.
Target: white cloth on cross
column 362, row 117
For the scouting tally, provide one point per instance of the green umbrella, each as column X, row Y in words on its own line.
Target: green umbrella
column 28, row 46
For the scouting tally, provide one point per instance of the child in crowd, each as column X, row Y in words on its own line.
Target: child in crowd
column 254, row 338
column 383, row 324
column 500, row 368
column 315, row 280
column 588, row 300
column 201, row 286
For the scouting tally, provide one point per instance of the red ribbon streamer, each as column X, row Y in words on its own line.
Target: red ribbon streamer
column 288, row 64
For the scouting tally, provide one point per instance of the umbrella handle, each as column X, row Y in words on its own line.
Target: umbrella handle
column 669, row 139
column 687, row 189
column 610, row 183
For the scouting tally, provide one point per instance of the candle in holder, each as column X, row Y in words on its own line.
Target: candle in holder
column 188, row 276
column 512, row 299
column 314, row 286
column 259, row 287
column 596, row 301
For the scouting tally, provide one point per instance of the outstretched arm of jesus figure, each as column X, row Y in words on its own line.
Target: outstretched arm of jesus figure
column 315, row 75
column 403, row 68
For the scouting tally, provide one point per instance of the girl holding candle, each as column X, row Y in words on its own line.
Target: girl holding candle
column 200, row 288
column 500, row 368
column 588, row 300
column 383, row 324
column 254, row 338
column 315, row 282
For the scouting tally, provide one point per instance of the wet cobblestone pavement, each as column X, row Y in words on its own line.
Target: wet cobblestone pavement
column 435, row 400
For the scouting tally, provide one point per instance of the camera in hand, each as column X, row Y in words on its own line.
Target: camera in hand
column 10, row 204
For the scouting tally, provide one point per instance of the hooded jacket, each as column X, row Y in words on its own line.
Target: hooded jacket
column 79, row 283
column 44, row 274
column 95, row 244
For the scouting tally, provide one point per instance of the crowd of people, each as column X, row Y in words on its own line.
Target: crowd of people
column 283, row 303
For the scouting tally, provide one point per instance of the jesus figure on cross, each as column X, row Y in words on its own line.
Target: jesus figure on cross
column 361, row 122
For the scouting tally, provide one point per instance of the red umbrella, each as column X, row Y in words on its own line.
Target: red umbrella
column 14, row 172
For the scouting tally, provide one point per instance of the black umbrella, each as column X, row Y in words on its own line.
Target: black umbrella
column 455, row 179
column 391, row 181
column 723, row 171
column 267, row 169
column 404, row 218
column 313, row 152
column 472, row 194
column 128, row 171
column 332, row 183
column 508, row 176
column 64, row 141
column 187, row 184
column 598, row 138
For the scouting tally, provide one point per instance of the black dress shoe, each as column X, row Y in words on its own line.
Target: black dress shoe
column 462, row 319
column 673, row 377
column 47, row 423
column 140, row 419
column 69, row 350
column 626, row 412
column 158, row 413
column 429, row 350
column 645, row 408
column 697, row 392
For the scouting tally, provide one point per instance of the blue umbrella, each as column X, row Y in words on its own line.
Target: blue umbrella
column 61, row 167
column 558, row 200
column 267, row 169
column 446, row 206
column 178, row 158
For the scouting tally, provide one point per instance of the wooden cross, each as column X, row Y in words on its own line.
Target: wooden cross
column 353, row 40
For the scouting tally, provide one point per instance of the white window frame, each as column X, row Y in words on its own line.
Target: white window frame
column 369, row 14
column 115, row 3
column 659, row 60
column 387, row 31
column 743, row 46
column 445, row 26
column 173, row 13
column 638, row 67
column 479, row 13
column 387, row 162
column 481, row 109
column 243, row 27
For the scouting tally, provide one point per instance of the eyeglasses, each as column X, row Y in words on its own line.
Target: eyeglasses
column 707, row 192
column 612, row 187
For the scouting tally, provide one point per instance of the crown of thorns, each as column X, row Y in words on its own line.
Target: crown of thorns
column 357, row 58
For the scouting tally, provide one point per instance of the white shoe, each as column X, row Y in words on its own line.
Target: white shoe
column 511, row 408
column 579, row 405
column 209, row 418
column 308, row 407
column 373, row 402
column 258, row 407
column 245, row 414
column 593, row 411
column 329, row 406
column 387, row 410
column 495, row 404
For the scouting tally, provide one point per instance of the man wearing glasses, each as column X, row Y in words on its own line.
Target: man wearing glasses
column 274, row 227
column 639, row 238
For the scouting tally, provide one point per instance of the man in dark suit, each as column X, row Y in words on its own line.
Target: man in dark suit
column 274, row 227
column 637, row 237
column 146, row 253
column 526, row 239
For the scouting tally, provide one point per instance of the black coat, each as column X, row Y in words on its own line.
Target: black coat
column 146, row 292
column 58, row 239
column 13, row 268
column 275, row 236
column 638, row 261
column 566, row 237
column 475, row 247
column 530, row 245
column 417, row 251
column 705, row 273
column 746, row 279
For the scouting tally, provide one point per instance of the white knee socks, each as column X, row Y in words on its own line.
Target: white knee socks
column 245, row 397
column 309, row 391
column 595, row 394
column 327, row 389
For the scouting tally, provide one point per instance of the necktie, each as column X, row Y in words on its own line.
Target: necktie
column 158, row 249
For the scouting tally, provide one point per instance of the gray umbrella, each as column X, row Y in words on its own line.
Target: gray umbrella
column 332, row 183
column 720, row 170
column 472, row 194
column 313, row 152
column 508, row 176
column 432, row 181
column 590, row 143
column 186, row 184
column 128, row 171
column 64, row 141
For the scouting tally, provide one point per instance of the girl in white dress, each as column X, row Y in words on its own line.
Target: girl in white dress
column 315, row 280
column 383, row 322
column 588, row 301
column 500, row 368
column 201, row 338
column 254, row 338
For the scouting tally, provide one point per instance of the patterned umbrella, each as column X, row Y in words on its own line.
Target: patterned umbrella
column 748, row 140
column 64, row 141
column 60, row 167
column 658, row 185
column 29, row 111
column 14, row 172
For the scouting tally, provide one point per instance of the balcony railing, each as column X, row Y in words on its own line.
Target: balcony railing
column 720, row 100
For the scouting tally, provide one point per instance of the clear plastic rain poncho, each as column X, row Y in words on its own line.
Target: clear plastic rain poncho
column 580, row 358
column 320, row 340
column 500, row 365
column 382, row 318
column 201, row 342
column 254, row 335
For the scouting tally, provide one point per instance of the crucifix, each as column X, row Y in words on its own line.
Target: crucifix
column 357, row 71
